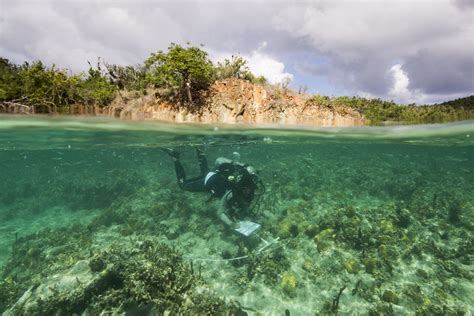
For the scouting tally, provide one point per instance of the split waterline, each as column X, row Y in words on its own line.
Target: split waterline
column 386, row 212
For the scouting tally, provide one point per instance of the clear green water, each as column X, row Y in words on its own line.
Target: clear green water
column 386, row 212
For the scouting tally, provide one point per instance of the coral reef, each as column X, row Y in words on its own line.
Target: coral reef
column 368, row 226
column 288, row 283
column 146, row 277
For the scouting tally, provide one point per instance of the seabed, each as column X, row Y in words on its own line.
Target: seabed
column 366, row 221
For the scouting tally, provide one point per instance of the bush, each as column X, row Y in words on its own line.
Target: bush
column 185, row 71
column 96, row 88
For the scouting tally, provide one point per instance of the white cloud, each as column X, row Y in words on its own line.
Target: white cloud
column 361, row 39
column 71, row 33
column 260, row 64
column 357, row 40
column 349, row 29
column 399, row 90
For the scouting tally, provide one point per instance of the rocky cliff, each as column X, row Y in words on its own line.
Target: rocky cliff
column 238, row 101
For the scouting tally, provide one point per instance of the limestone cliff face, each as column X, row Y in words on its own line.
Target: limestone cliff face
column 238, row 101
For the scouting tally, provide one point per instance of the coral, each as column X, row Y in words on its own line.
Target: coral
column 308, row 265
column 9, row 290
column 97, row 264
column 372, row 265
column 288, row 283
column 324, row 239
column 386, row 227
column 287, row 229
column 391, row 223
column 404, row 218
column 390, row 297
column 295, row 220
column 148, row 277
column 387, row 253
column 352, row 266
column 266, row 267
column 311, row 230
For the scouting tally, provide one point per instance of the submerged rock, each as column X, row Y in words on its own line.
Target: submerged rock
column 66, row 291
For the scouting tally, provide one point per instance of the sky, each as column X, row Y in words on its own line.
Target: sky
column 409, row 51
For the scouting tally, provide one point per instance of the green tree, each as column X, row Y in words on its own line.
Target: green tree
column 256, row 79
column 10, row 85
column 185, row 70
column 131, row 78
column 96, row 89
column 45, row 87
column 236, row 67
column 461, row 103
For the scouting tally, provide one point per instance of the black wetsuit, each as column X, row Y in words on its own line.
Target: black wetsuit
column 214, row 182
column 230, row 182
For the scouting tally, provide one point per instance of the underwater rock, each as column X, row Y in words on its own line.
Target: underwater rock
column 97, row 264
column 404, row 218
column 44, row 298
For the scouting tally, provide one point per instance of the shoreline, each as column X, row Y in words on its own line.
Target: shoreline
column 141, row 117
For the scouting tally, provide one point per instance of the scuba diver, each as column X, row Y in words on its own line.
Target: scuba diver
column 237, row 185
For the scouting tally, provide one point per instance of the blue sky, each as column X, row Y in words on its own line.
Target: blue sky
column 408, row 51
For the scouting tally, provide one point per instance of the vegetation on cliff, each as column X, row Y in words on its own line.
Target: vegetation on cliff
column 181, row 76
column 377, row 111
